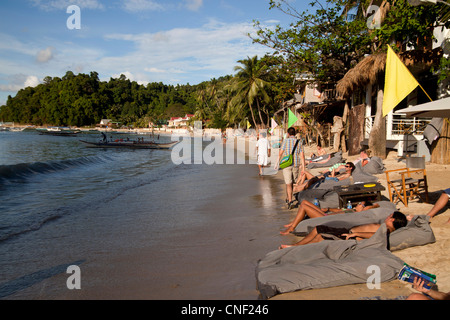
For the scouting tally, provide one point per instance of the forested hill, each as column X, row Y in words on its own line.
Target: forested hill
column 83, row 100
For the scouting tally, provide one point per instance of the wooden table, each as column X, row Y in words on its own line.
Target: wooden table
column 358, row 192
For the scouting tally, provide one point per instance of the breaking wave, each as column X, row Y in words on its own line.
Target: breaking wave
column 22, row 171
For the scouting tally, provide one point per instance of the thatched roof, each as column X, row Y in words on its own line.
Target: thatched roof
column 364, row 73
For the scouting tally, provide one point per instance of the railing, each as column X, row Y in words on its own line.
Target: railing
column 414, row 126
column 329, row 94
column 398, row 128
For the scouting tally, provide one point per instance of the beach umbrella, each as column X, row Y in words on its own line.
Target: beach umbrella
column 435, row 109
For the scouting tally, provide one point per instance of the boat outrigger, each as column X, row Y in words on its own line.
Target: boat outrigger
column 130, row 144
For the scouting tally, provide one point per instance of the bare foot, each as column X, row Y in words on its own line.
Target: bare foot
column 283, row 246
column 286, row 232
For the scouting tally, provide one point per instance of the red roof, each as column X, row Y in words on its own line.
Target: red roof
column 187, row 117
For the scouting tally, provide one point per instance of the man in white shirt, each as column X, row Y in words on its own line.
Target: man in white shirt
column 263, row 151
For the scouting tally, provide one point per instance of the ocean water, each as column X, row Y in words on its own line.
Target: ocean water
column 43, row 178
column 138, row 225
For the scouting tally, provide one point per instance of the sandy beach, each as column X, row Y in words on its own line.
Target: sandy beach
column 433, row 258
column 202, row 243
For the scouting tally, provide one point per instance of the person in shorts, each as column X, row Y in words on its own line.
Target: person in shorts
column 290, row 174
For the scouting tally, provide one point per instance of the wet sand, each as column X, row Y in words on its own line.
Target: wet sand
column 204, row 250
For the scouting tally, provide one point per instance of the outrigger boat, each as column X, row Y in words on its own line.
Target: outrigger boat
column 57, row 131
column 130, row 144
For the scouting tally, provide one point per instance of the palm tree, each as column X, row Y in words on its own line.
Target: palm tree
column 250, row 85
column 203, row 109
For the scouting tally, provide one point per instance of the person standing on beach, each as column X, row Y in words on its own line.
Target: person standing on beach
column 291, row 173
column 263, row 151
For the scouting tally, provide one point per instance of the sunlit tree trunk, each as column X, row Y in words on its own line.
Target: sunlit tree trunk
column 377, row 139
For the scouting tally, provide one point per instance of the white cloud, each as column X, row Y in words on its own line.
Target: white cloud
column 193, row 5
column 198, row 52
column 45, row 55
column 10, row 43
column 19, row 81
column 176, row 56
column 32, row 81
column 154, row 70
column 49, row 5
column 141, row 5
column 139, row 78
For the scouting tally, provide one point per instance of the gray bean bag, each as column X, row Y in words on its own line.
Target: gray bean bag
column 323, row 189
column 358, row 176
column 374, row 166
column 335, row 158
column 417, row 232
column 327, row 198
column 361, row 176
column 348, row 220
column 326, row 264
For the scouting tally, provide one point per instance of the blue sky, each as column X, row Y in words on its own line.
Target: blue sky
column 169, row 41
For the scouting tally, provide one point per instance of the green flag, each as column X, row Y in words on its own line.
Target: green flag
column 292, row 119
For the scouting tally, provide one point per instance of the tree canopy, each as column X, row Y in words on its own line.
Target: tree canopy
column 326, row 43
column 83, row 100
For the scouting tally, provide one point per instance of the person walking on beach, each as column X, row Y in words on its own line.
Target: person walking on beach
column 393, row 222
column 291, row 173
column 308, row 208
column 262, row 151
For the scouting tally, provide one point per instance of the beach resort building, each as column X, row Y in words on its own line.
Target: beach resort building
column 180, row 122
column 354, row 100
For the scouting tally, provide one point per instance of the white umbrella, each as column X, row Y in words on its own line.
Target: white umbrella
column 435, row 109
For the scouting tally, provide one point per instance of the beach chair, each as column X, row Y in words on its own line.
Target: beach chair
column 408, row 183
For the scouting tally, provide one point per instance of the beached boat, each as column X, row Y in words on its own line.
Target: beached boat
column 57, row 131
column 130, row 144
column 17, row 129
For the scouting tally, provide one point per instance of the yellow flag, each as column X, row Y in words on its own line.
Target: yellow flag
column 398, row 84
column 248, row 125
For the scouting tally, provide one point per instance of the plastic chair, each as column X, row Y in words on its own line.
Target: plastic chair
column 409, row 182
